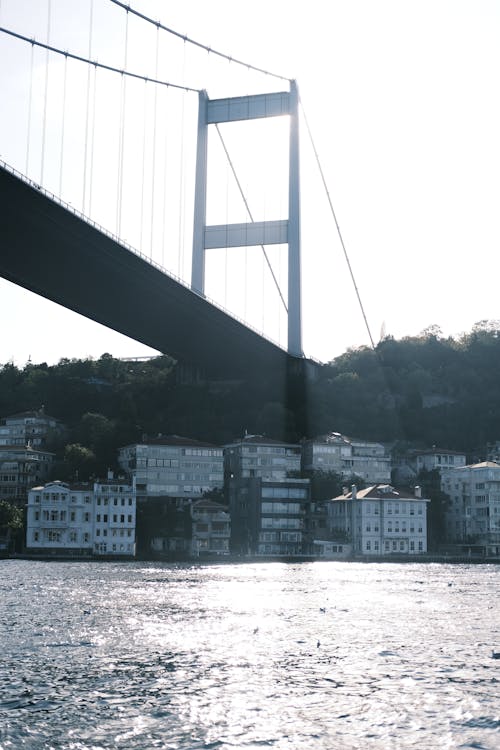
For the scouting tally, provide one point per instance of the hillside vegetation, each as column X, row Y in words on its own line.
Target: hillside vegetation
column 419, row 391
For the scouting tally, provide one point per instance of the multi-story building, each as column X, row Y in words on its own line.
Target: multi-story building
column 259, row 456
column 211, row 529
column 473, row 514
column 380, row 520
column 436, row 459
column 270, row 518
column 173, row 466
column 82, row 519
column 22, row 467
column 347, row 457
column 33, row 428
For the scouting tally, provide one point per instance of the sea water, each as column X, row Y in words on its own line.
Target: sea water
column 312, row 655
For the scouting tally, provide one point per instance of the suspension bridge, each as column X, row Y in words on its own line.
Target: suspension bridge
column 124, row 200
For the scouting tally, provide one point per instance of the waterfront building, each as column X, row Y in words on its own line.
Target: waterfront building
column 380, row 520
column 211, row 529
column 170, row 472
column 34, row 428
column 260, row 456
column 270, row 518
column 22, row 467
column 173, row 466
column 407, row 467
column 82, row 519
column 347, row 457
column 473, row 514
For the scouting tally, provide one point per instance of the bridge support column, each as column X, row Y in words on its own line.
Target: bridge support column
column 255, row 233
column 200, row 198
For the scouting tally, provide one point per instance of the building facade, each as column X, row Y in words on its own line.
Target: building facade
column 473, row 514
column 211, row 529
column 270, row 518
column 33, row 428
column 173, row 466
column 347, row 457
column 259, row 456
column 82, row 519
column 380, row 520
column 22, row 467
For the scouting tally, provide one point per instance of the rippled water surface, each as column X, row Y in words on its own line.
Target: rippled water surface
column 318, row 655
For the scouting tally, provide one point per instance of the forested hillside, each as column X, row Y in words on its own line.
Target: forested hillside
column 420, row 391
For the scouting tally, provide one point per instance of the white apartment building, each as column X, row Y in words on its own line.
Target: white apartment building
column 380, row 520
column 473, row 515
column 28, row 428
column 337, row 453
column 82, row 519
column 259, row 456
column 173, row 466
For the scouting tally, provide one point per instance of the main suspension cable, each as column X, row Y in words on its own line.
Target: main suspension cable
column 197, row 44
column 96, row 64
column 338, row 227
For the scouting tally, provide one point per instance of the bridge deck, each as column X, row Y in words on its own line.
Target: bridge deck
column 51, row 251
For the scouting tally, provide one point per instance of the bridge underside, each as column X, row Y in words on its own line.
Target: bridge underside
column 50, row 251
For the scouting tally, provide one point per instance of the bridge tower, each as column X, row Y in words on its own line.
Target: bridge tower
column 212, row 111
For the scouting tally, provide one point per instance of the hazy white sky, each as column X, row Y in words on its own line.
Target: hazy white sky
column 402, row 100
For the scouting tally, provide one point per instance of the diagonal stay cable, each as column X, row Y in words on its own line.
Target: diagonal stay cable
column 185, row 38
column 95, row 63
column 338, row 228
column 250, row 214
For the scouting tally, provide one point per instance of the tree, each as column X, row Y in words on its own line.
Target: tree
column 11, row 517
column 80, row 461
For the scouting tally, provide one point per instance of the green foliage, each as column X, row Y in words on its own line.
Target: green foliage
column 11, row 517
column 419, row 391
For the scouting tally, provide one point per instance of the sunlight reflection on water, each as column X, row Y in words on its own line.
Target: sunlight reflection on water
column 323, row 655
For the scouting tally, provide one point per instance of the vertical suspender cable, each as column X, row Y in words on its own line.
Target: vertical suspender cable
column 29, row 111
column 63, row 126
column 165, row 160
column 180, row 256
column 153, row 166
column 85, row 152
column 44, row 127
column 121, row 138
column 143, row 159
column 92, row 136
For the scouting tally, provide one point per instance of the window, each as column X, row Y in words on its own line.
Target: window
column 129, row 519
column 368, row 546
column 98, row 518
column 122, row 519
